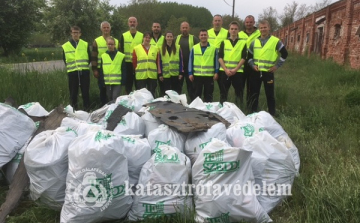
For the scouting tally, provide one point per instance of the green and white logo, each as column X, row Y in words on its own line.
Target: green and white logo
column 214, row 163
column 163, row 158
column 248, row 130
column 101, row 136
column 223, row 218
column 155, row 210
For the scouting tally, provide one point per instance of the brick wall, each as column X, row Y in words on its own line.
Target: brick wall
column 332, row 32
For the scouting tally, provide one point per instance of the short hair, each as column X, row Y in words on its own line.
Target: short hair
column 203, row 30
column 110, row 38
column 250, row 16
column 234, row 23
column 105, row 22
column 77, row 28
column 184, row 23
column 264, row 21
column 217, row 15
column 147, row 34
column 157, row 23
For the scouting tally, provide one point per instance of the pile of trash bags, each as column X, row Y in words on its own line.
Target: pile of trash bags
column 147, row 169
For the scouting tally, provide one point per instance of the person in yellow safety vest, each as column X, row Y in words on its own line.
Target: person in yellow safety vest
column 128, row 41
column 171, row 64
column 157, row 39
column 114, row 69
column 217, row 34
column 145, row 62
column 98, row 48
column 249, row 34
column 203, row 67
column 263, row 58
column 186, row 41
column 77, row 60
column 232, row 55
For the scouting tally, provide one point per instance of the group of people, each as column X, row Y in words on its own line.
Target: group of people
column 244, row 59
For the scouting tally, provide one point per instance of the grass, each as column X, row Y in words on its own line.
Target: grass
column 34, row 55
column 317, row 105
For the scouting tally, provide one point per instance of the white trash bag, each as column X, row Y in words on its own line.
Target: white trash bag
column 46, row 162
column 82, row 115
column 159, row 192
column 231, row 112
column 79, row 126
column 15, row 129
column 196, row 141
column 34, row 109
column 130, row 124
column 164, row 135
column 273, row 167
column 240, row 130
column 269, row 124
column 205, row 106
column 136, row 99
column 138, row 152
column 95, row 184
column 150, row 121
column 225, row 185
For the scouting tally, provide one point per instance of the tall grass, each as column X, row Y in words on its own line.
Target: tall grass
column 313, row 108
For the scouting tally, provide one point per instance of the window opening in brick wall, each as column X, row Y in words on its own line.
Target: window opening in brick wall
column 307, row 37
column 337, row 31
column 298, row 38
column 291, row 39
column 358, row 32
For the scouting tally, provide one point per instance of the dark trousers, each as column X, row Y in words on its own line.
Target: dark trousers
column 255, row 81
column 225, row 83
column 206, row 83
column 245, row 81
column 189, row 87
column 148, row 83
column 79, row 79
column 130, row 78
column 161, row 88
column 102, row 88
column 172, row 83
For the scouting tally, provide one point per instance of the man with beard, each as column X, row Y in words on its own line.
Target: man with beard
column 157, row 40
column 186, row 42
column 128, row 41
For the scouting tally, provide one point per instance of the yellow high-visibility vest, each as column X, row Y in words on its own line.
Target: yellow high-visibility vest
column 204, row 64
column 146, row 63
column 170, row 63
column 217, row 39
column 76, row 58
column 249, row 39
column 159, row 43
column 232, row 54
column 102, row 47
column 130, row 42
column 191, row 41
column 265, row 56
column 112, row 68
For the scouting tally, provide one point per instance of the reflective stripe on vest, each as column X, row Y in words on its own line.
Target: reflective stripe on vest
column 112, row 68
column 130, row 42
column 170, row 63
column 249, row 39
column 146, row 63
column 217, row 39
column 102, row 47
column 232, row 55
column 76, row 59
column 159, row 43
column 204, row 63
column 265, row 56
column 191, row 41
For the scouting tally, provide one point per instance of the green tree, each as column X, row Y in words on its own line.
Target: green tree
column 17, row 21
column 87, row 14
column 270, row 14
column 227, row 19
column 173, row 25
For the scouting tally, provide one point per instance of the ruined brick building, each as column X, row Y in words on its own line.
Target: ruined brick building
column 332, row 32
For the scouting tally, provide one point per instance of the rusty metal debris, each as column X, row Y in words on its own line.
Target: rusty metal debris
column 184, row 119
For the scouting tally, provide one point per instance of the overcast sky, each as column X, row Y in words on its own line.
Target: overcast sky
column 242, row 7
